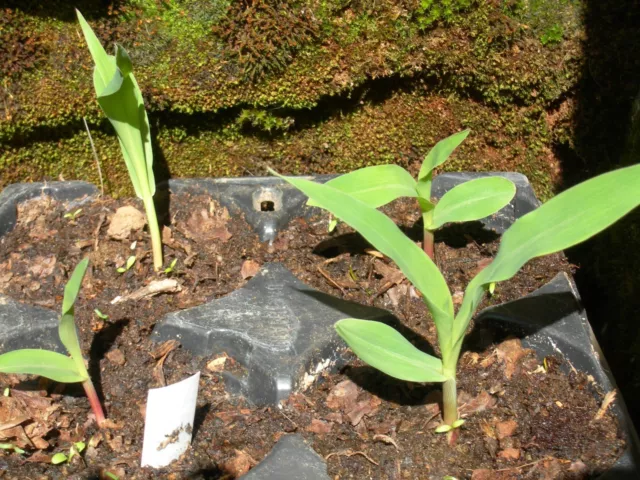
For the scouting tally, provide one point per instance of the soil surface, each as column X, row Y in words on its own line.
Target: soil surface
column 524, row 417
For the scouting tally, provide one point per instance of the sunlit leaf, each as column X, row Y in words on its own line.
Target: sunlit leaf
column 440, row 152
column 55, row 366
column 388, row 239
column 472, row 200
column 566, row 220
column 384, row 348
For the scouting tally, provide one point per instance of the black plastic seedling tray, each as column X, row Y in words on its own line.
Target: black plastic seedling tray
column 281, row 330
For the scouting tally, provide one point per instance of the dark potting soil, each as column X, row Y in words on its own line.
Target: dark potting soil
column 524, row 417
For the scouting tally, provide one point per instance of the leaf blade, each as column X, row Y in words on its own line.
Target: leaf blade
column 387, row 238
column 45, row 363
column 441, row 152
column 473, row 200
column 375, row 186
column 72, row 288
column 566, row 220
column 384, row 348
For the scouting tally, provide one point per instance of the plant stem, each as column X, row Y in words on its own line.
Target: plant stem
column 428, row 244
column 450, row 401
column 154, row 231
column 94, row 401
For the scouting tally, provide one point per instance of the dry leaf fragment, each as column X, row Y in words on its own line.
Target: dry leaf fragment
column 127, row 219
column 240, row 464
column 319, row 426
column 360, row 410
column 481, row 402
column 506, row 429
column 386, row 439
column 217, row 364
column 509, row 454
column 249, row 269
column 343, row 396
column 510, row 352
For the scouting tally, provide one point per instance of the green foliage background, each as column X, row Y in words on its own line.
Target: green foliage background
column 305, row 86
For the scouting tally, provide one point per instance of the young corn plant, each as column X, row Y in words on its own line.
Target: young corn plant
column 378, row 185
column 566, row 220
column 121, row 101
column 53, row 365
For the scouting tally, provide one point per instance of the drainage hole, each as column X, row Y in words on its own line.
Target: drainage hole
column 267, row 206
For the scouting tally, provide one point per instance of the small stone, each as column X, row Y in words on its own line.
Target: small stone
column 509, row 454
column 124, row 221
column 217, row 364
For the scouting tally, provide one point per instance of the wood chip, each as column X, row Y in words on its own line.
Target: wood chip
column 249, row 269
column 166, row 285
column 608, row 400
column 386, row 439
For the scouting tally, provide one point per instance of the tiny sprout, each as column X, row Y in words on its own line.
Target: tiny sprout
column 449, row 477
column 333, row 223
column 130, row 261
column 73, row 215
column 458, row 423
column 492, row 288
column 11, row 446
column 444, row 428
column 170, row 268
column 6, row 392
column 101, row 315
column 111, row 476
column 61, row 457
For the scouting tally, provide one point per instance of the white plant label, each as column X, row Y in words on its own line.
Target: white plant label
column 169, row 422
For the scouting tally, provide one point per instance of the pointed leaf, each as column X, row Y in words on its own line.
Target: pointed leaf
column 375, row 186
column 388, row 239
column 123, row 61
column 439, row 154
column 47, row 364
column 105, row 66
column 473, row 200
column 384, row 348
column 566, row 220
column 72, row 288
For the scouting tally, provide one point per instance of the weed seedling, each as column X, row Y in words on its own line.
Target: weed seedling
column 472, row 200
column 130, row 261
column 11, row 447
column 74, row 450
column 566, row 220
column 73, row 215
column 100, row 315
column 171, row 267
column 121, row 101
column 53, row 365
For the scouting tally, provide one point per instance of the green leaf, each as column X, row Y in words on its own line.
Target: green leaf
column 472, row 200
column 439, row 154
column 388, row 239
column 58, row 458
column 566, row 220
column 375, row 186
column 384, row 348
column 444, row 428
column 105, row 65
column 67, row 327
column 55, row 366
column 121, row 100
column 73, row 286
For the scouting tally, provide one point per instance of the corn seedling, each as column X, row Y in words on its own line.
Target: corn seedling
column 53, row 365
column 130, row 261
column 566, row 220
column 121, row 101
column 74, row 450
column 100, row 315
column 378, row 185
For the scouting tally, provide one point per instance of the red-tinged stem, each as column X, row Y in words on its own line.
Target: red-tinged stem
column 94, row 401
column 428, row 244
